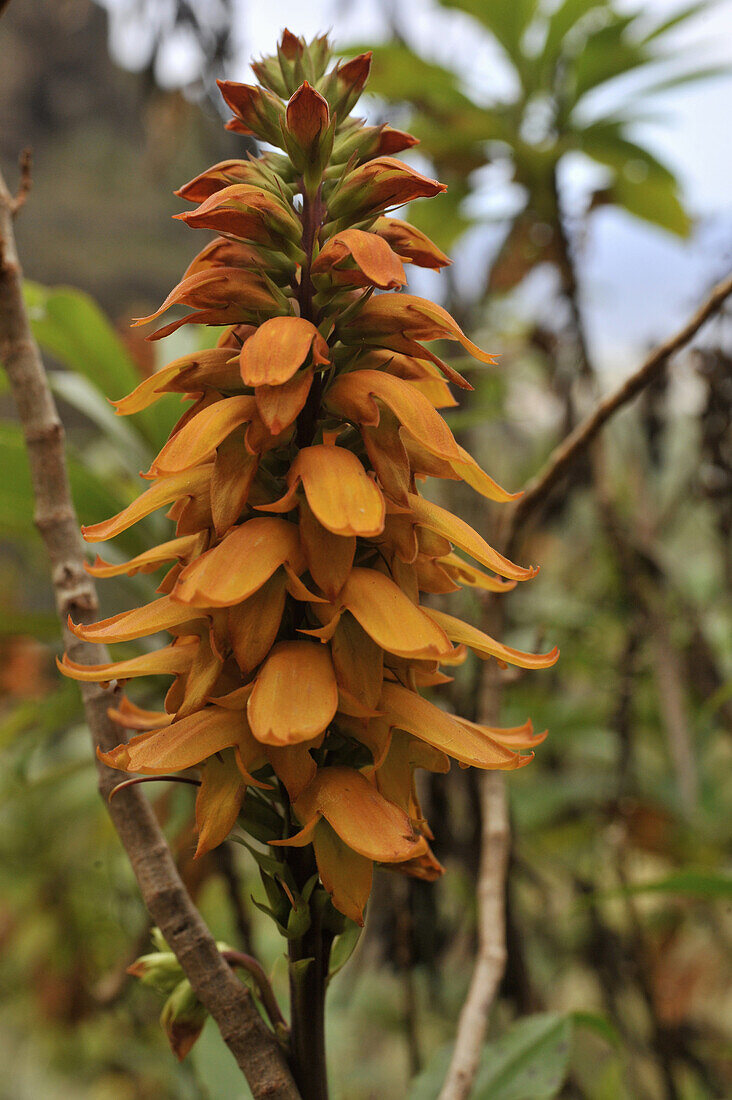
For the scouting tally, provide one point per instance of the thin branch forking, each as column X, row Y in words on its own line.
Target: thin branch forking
column 577, row 442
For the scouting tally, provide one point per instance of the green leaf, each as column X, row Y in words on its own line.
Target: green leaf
column 653, row 200
column 529, row 1062
column 606, row 143
column 561, row 22
column 343, row 947
column 601, row 1026
column 87, row 399
column 606, row 55
column 507, row 20
column 70, row 326
column 679, row 17
column 400, row 75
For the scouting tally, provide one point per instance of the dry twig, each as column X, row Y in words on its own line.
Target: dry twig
column 490, row 961
column 229, row 1002
column 577, row 442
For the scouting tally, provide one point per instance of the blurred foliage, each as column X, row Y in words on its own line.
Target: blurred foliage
column 617, row 985
column 569, row 63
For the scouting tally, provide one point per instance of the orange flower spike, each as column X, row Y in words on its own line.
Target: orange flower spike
column 299, row 643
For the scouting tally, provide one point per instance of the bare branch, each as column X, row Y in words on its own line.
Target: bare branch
column 26, row 180
column 579, row 440
column 256, row 1050
column 490, row 961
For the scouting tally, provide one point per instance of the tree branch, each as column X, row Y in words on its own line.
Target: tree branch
column 490, row 961
column 579, row 440
column 229, row 1002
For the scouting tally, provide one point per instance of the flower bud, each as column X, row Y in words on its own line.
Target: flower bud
column 183, row 1018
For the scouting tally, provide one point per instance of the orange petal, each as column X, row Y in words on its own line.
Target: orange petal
column 233, row 472
column 471, row 473
column 219, row 801
column 138, row 623
column 413, row 714
column 458, row 532
column 295, row 695
column 352, row 395
column 152, row 389
column 131, row 717
column 165, row 491
column 201, row 681
column 279, row 406
column 390, row 618
column 345, row 874
column 150, row 560
column 358, row 663
column 240, row 564
column 171, row 660
column 253, row 624
column 388, row 455
column 179, row 746
column 361, row 817
column 465, row 573
column 339, row 491
column 513, row 737
column 395, row 776
column 198, row 440
column 485, row 646
column 411, row 243
column 371, row 254
column 329, row 557
column 415, row 317
column 294, row 766
column 278, row 348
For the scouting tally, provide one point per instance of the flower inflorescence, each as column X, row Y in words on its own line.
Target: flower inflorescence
column 302, row 544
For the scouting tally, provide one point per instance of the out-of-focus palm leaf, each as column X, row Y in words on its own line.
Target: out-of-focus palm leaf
column 507, row 20
column 654, row 200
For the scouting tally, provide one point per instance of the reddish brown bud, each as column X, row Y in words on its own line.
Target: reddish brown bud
column 307, row 116
column 291, row 45
column 257, row 111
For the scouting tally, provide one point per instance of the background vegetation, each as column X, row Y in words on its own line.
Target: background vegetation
column 618, row 898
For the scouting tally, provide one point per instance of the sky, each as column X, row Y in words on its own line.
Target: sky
column 637, row 281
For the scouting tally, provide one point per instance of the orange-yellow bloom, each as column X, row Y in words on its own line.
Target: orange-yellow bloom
column 300, row 644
